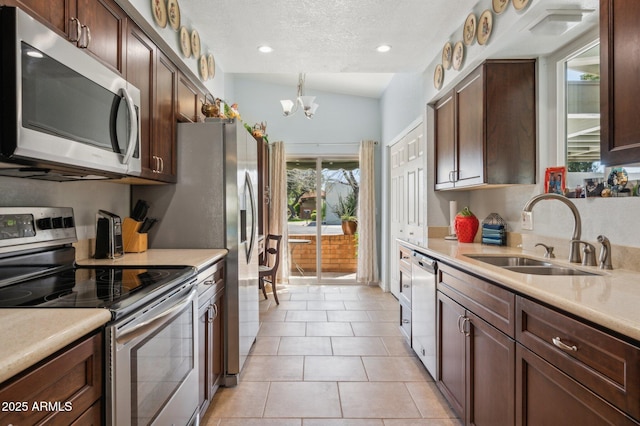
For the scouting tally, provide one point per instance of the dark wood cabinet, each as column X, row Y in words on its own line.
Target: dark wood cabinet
column 188, row 101
column 263, row 194
column 619, row 91
column 452, row 368
column 57, row 13
column 547, row 396
column 105, row 22
column 607, row 366
column 72, row 379
column 107, row 25
column 485, row 128
column 140, row 66
column 476, row 361
column 163, row 143
column 210, row 335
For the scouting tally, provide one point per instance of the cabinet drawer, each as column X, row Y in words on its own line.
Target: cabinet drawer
column 405, row 258
column 606, row 365
column 405, row 321
column 72, row 376
column 493, row 304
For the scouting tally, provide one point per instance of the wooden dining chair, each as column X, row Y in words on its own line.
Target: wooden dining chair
column 269, row 265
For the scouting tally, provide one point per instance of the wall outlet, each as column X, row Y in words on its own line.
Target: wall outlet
column 526, row 221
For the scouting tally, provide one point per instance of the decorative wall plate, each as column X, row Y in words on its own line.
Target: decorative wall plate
column 447, row 54
column 438, row 76
column 195, row 44
column 174, row 14
column 211, row 65
column 204, row 69
column 185, row 42
column 159, row 11
column 458, row 56
column 469, row 29
column 520, row 4
column 485, row 25
column 499, row 6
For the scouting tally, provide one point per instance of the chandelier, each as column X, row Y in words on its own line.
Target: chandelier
column 307, row 103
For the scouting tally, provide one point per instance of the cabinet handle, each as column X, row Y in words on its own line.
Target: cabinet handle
column 215, row 310
column 208, row 282
column 558, row 342
column 460, row 317
column 466, row 330
column 85, row 37
column 405, row 321
column 161, row 164
column 406, row 285
column 77, row 36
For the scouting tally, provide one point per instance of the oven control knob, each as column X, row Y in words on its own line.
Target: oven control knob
column 57, row 222
column 45, row 223
column 68, row 222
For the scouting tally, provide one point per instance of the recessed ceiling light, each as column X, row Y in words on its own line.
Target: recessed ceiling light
column 265, row 49
column 383, row 48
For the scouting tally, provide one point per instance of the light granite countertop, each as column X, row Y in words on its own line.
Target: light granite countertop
column 610, row 299
column 29, row 335
column 198, row 258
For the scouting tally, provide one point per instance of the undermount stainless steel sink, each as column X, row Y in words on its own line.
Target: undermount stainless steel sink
column 548, row 270
column 527, row 265
column 506, row 261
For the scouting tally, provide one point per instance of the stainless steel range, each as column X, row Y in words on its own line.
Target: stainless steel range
column 151, row 342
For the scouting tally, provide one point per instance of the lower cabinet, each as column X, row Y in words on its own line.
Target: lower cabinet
column 547, row 396
column 476, row 371
column 506, row 359
column 210, row 338
column 64, row 389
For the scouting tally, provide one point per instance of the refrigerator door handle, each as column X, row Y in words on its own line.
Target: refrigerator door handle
column 248, row 191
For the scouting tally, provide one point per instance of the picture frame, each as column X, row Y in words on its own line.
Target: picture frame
column 555, row 180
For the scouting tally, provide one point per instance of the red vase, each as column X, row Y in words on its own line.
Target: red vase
column 466, row 228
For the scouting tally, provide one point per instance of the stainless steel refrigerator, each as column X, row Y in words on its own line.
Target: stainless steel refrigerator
column 213, row 205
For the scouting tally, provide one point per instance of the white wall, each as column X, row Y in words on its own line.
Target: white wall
column 337, row 128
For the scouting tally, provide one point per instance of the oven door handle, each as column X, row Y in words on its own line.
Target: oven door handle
column 154, row 322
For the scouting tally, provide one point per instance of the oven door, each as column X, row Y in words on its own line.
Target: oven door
column 154, row 377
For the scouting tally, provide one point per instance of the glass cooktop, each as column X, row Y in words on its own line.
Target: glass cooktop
column 116, row 288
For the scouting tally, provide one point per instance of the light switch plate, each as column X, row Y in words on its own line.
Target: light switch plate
column 526, row 221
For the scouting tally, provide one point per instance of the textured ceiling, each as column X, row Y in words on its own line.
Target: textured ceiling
column 336, row 39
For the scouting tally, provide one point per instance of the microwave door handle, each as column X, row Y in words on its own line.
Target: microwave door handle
column 133, row 127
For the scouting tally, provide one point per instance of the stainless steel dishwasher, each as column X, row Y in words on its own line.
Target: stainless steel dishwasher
column 423, row 307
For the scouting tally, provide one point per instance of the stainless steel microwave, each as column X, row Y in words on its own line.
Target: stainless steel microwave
column 61, row 109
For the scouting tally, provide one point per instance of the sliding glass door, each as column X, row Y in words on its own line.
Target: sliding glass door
column 322, row 202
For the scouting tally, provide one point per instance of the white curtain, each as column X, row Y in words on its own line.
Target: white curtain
column 367, row 251
column 278, row 204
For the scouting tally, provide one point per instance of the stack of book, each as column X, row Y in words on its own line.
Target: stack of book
column 494, row 230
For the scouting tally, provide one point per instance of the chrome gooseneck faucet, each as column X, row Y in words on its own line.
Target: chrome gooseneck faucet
column 574, row 250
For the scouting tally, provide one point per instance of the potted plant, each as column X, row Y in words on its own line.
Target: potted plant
column 346, row 208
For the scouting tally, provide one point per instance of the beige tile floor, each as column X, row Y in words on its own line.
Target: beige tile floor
column 331, row 355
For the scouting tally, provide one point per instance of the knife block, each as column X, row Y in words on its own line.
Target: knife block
column 133, row 241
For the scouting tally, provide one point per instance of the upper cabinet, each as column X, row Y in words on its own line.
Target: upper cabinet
column 485, row 128
column 97, row 25
column 619, row 91
column 105, row 23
